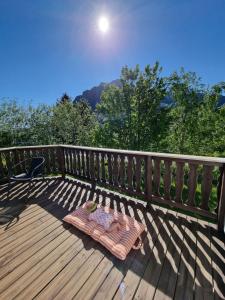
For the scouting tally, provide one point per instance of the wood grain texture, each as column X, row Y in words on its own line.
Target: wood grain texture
column 87, row 155
column 42, row 258
column 83, row 164
column 92, row 166
column 148, row 178
column 115, row 169
column 97, row 162
column 78, row 163
column 110, row 175
column 179, row 181
column 130, row 173
column 103, row 177
column 156, row 176
column 167, row 179
column 122, row 171
column 206, row 186
column 138, row 174
column 192, row 184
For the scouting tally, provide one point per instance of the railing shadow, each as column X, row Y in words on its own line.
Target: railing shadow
column 180, row 257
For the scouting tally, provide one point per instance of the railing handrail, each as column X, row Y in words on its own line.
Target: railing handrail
column 207, row 159
column 29, row 147
column 217, row 161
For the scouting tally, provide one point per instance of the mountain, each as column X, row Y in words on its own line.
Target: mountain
column 93, row 95
column 221, row 101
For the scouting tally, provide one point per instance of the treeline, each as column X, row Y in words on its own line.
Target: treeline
column 130, row 116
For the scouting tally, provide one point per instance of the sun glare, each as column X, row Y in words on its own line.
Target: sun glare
column 103, row 24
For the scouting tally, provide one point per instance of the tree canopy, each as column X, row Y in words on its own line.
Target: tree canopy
column 132, row 115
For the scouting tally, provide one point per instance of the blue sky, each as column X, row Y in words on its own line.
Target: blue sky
column 48, row 47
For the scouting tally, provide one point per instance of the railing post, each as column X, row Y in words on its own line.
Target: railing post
column 61, row 160
column 221, row 202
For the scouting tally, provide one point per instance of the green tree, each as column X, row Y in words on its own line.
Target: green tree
column 130, row 116
column 211, row 122
column 13, row 123
column 65, row 98
column 87, row 122
column 40, row 129
column 187, row 93
column 73, row 123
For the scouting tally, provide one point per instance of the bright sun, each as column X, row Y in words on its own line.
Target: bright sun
column 103, row 24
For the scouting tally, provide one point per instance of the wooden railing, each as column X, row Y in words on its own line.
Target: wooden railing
column 192, row 183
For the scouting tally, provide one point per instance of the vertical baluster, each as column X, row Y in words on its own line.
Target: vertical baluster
column 138, row 174
column 48, row 169
column 42, row 152
column 179, row 181
column 61, row 160
column 8, row 161
column 192, row 184
column 148, row 178
column 92, row 166
column 156, row 176
column 115, row 169
column 65, row 158
column 83, row 163
column 97, row 167
column 122, row 171
column 130, row 173
column 103, row 167
column 53, row 155
column 206, row 186
column 78, row 163
column 71, row 161
column 167, row 179
column 75, row 161
column 25, row 156
column 16, row 161
column 22, row 159
column 2, row 173
column 110, row 168
column 54, row 160
column 87, row 155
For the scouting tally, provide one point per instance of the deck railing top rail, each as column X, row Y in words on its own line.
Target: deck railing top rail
column 181, row 157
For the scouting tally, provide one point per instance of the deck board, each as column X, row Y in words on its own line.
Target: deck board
column 42, row 258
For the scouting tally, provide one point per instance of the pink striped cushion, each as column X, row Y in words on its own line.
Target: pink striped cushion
column 119, row 243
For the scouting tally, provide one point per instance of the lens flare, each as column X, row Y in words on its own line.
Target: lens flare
column 103, row 24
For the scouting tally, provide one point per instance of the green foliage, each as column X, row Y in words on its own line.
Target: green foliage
column 197, row 123
column 129, row 116
column 186, row 92
column 73, row 123
column 132, row 117
column 65, row 122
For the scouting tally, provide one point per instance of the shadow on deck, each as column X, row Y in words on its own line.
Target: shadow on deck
column 42, row 258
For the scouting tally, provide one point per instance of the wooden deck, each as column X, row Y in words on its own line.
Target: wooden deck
column 42, row 258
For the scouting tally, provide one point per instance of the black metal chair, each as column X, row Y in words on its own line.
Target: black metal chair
column 33, row 168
